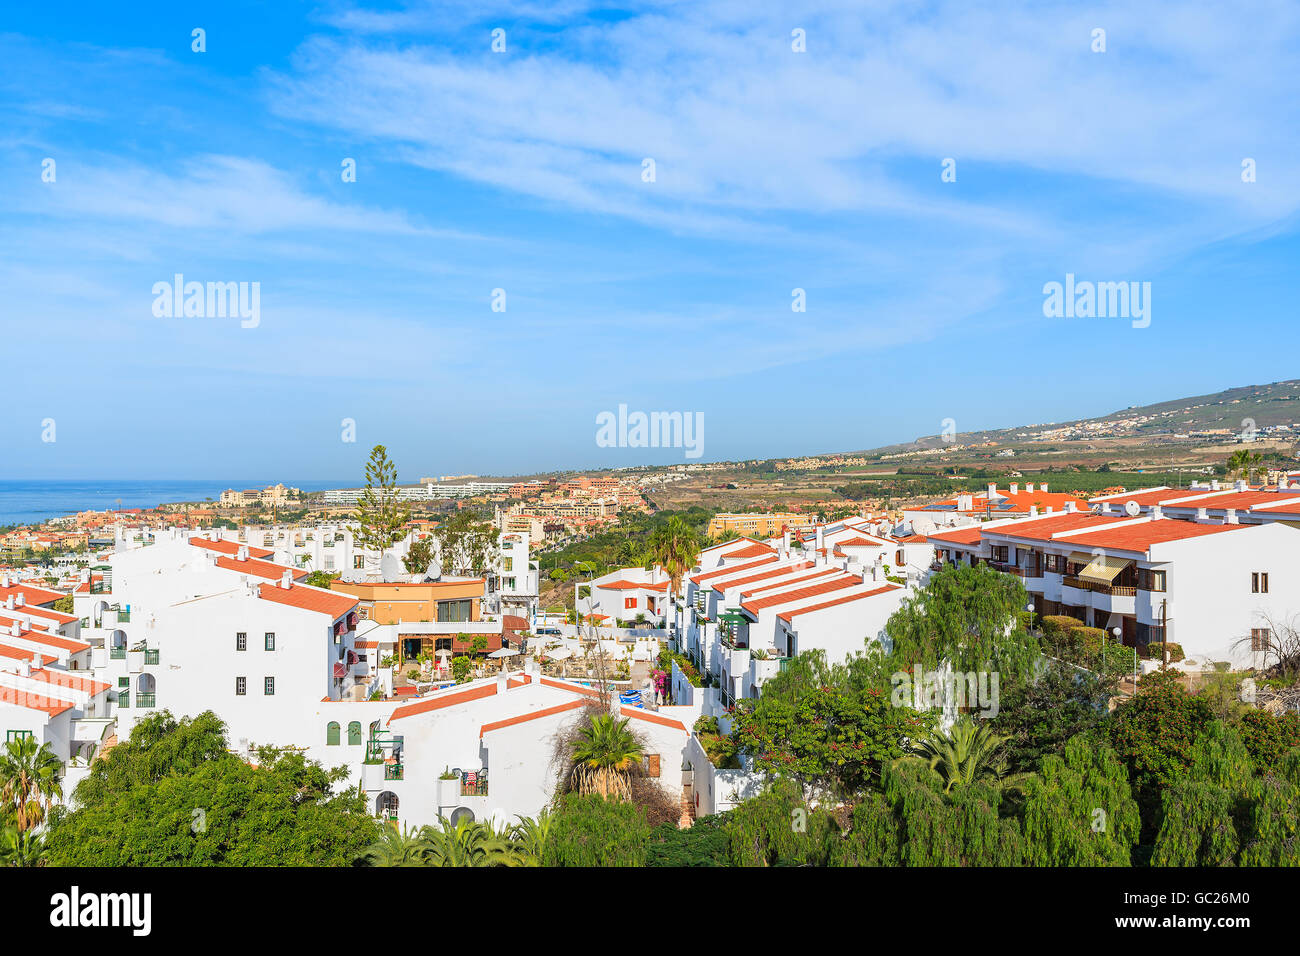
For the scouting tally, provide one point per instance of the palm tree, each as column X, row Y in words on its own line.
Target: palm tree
column 29, row 781
column 529, row 835
column 466, row 843
column 603, row 755
column 964, row 755
column 674, row 547
column 21, row 849
column 396, row 847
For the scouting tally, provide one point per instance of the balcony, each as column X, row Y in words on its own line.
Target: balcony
column 150, row 656
column 473, row 785
column 1114, row 590
column 123, row 700
column 117, row 653
column 394, row 771
column 145, row 700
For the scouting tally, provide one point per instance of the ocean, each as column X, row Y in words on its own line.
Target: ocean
column 30, row 502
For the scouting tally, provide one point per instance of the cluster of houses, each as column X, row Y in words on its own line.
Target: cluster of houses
column 226, row 621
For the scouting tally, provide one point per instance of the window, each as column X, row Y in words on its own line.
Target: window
column 1149, row 579
column 124, row 682
column 241, row 686
column 270, row 640
column 1260, row 638
column 454, row 611
column 16, row 735
column 1259, row 582
column 241, row 641
column 509, row 564
column 268, row 686
column 629, row 603
column 354, row 734
column 358, row 562
column 332, row 734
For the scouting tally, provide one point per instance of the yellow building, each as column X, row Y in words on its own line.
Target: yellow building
column 758, row 525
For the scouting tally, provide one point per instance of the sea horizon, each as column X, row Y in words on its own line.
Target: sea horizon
column 32, row 500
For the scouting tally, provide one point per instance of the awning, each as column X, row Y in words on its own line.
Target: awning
column 1103, row 569
column 1081, row 557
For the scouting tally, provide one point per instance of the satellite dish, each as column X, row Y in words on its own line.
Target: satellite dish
column 1132, row 509
column 922, row 524
column 389, row 567
column 434, row 571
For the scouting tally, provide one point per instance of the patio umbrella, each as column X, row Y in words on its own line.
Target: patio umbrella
column 504, row 652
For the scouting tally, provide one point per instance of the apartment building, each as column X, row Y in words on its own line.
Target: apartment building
column 1213, row 587
column 624, row 595
column 200, row 623
column 758, row 525
column 473, row 751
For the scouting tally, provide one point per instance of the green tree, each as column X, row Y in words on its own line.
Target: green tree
column 467, row 843
column 967, row 753
column 825, row 727
column 419, row 557
column 172, row 795
column 705, row 843
column 1079, row 809
column 29, row 782
column 592, row 831
column 396, row 847
column 604, row 755
column 381, row 517
column 1038, row 716
column 675, row 547
column 467, row 544
column 967, row 617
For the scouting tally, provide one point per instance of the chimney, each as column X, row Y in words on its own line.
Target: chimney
column 821, row 537
column 1214, row 485
column 1202, row 514
column 503, row 683
column 1049, row 510
column 1230, row 517
column 1241, row 485
column 25, row 669
column 242, row 553
column 1033, row 511
column 1157, row 512
column 1015, row 487
column 992, row 490
column 9, row 602
column 1043, row 487
column 1029, row 487
column 1105, row 507
column 20, row 600
column 286, row 580
column 1071, row 507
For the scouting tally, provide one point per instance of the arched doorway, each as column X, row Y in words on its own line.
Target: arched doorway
column 146, row 690
column 386, row 805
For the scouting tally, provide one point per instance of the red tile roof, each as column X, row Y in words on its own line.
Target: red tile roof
column 652, row 717
column 444, row 700
column 969, row 535
column 790, row 615
column 763, row 575
column 261, row 569
column 1044, row 528
column 633, row 585
column 24, row 698
column 531, row 715
column 718, row 572
column 800, row 594
column 822, row 572
column 74, row 681
column 1241, row 500
column 1140, row 536
column 331, row 603
column 229, row 547
column 32, row 595
column 753, row 551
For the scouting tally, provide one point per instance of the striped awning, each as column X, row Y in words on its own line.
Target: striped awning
column 1103, row 569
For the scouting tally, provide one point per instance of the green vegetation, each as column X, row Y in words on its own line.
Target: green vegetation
column 381, row 517
column 173, row 795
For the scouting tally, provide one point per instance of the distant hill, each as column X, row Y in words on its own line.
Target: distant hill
column 1228, row 411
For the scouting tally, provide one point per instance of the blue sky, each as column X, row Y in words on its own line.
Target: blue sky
column 521, row 170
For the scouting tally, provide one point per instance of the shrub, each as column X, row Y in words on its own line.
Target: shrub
column 1156, row 651
column 1056, row 624
column 1268, row 737
column 592, row 831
